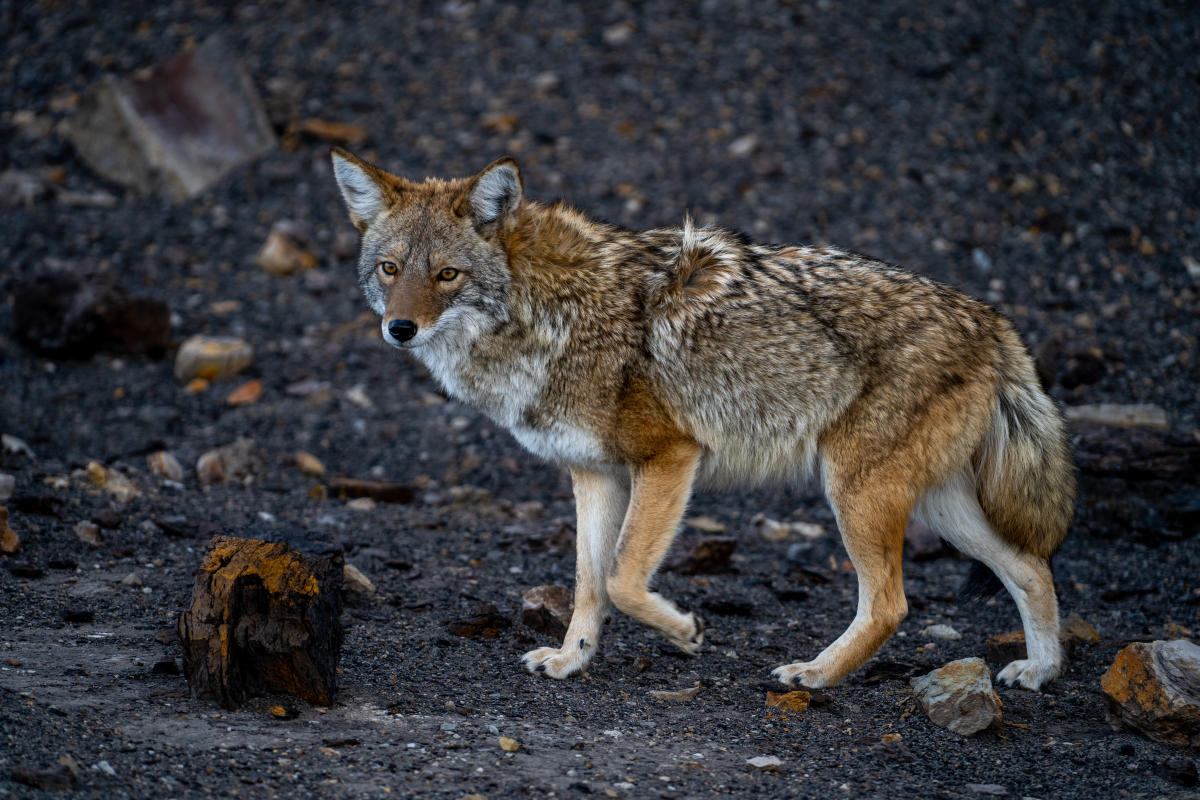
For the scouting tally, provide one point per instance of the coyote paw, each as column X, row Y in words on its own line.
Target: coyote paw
column 555, row 663
column 808, row 673
column 1028, row 674
column 690, row 643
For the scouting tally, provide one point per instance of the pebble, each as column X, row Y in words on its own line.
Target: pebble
column 165, row 465
column 132, row 579
column 764, row 762
column 236, row 461
column 14, row 446
column 509, row 745
column 246, row 394
column 796, row 701
column 945, row 632
column 706, row 524
column 8, row 485
column 681, row 696
column 354, row 580
column 1137, row 415
column 212, row 357
column 88, row 533
column 283, row 254
column 309, row 464
column 987, row 789
column 115, row 483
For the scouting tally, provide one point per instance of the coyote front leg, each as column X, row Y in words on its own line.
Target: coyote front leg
column 661, row 487
column 601, row 499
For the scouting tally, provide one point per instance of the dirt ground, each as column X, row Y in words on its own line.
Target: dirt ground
column 1043, row 158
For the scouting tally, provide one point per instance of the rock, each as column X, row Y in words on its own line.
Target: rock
column 706, row 524
column 362, row 504
column 175, row 129
column 283, row 254
column 263, row 619
column 485, row 623
column 795, row 702
column 547, row 609
column 743, row 145
column 1111, row 414
column 247, row 393
column 893, row 750
column 9, row 541
column 8, row 485
column 944, row 632
column 355, row 581
column 165, row 465
column 509, row 745
column 681, row 696
column 770, row 530
column 987, row 789
column 239, row 460
column 22, row 188
column 959, row 697
column 88, row 533
column 212, row 357
column 1155, row 688
column 703, row 556
column 79, row 315
column 115, row 483
column 309, row 464
column 382, row 491
column 58, row 778
column 764, row 762
column 15, row 447
column 1179, row 770
column 132, row 579
column 1076, row 627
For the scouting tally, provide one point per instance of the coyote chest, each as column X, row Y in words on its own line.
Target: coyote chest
column 506, row 389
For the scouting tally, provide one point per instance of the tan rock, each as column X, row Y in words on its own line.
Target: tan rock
column 354, row 580
column 165, row 465
column 212, row 357
column 1138, row 415
column 680, row 696
column 509, row 745
column 247, row 393
column 282, row 254
column 1155, row 688
column 309, row 464
column 794, row 702
column 112, row 481
column 959, row 697
column 239, row 460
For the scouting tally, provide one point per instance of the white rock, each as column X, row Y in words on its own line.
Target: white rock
column 1137, row 415
column 764, row 762
column 941, row 632
column 959, row 696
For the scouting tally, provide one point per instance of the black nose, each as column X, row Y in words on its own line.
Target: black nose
column 402, row 329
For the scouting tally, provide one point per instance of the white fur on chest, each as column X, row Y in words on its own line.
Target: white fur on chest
column 504, row 391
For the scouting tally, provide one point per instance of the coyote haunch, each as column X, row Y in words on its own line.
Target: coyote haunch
column 651, row 362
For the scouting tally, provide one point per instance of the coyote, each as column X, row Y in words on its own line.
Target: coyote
column 651, row 362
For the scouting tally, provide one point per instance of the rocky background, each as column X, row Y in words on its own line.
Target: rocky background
column 1042, row 156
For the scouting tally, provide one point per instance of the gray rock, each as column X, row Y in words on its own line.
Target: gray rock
column 959, row 696
column 178, row 128
column 1155, row 688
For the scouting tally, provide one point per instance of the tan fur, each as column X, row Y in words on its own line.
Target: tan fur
column 651, row 361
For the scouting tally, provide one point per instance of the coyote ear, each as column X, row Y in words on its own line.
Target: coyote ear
column 494, row 195
column 367, row 190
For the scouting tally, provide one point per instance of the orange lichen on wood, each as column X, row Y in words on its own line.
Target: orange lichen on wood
column 263, row 620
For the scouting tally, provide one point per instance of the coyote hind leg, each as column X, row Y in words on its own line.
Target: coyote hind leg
column 871, row 517
column 953, row 511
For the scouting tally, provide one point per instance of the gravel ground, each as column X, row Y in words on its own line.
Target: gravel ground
column 1044, row 158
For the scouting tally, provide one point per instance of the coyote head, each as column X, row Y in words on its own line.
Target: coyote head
column 432, row 263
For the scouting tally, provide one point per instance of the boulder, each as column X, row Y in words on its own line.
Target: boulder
column 175, row 129
column 1155, row 688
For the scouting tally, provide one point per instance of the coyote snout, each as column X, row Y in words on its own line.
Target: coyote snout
column 400, row 330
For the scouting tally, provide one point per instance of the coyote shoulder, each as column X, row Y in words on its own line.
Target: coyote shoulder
column 652, row 362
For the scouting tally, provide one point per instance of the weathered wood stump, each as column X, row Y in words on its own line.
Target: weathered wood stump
column 264, row 619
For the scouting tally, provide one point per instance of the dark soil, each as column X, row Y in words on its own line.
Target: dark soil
column 1042, row 156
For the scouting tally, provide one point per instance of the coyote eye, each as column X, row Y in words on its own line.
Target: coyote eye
column 448, row 274
column 389, row 267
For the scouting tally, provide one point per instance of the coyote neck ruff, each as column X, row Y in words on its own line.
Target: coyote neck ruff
column 649, row 361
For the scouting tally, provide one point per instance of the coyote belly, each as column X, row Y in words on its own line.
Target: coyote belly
column 652, row 362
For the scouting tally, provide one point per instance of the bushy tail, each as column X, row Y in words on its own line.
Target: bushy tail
column 1024, row 476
